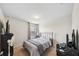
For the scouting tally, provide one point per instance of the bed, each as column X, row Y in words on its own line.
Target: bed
column 37, row 46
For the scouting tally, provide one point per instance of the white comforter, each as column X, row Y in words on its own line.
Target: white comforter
column 33, row 49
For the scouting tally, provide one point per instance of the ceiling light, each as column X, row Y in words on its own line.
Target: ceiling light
column 36, row 17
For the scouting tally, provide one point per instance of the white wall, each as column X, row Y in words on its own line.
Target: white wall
column 75, row 17
column 20, row 30
column 59, row 28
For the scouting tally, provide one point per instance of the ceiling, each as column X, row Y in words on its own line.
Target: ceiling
column 44, row 11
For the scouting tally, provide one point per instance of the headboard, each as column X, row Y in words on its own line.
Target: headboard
column 47, row 35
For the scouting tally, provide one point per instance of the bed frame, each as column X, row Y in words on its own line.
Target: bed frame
column 48, row 35
column 45, row 35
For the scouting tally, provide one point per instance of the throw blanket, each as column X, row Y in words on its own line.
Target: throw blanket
column 40, row 46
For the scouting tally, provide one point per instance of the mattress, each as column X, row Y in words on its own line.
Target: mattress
column 33, row 49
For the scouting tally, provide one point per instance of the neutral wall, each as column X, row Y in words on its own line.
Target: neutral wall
column 59, row 28
column 20, row 30
column 75, row 17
